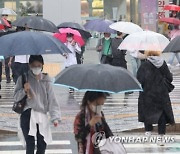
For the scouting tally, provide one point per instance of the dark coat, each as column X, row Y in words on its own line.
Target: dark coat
column 118, row 55
column 154, row 100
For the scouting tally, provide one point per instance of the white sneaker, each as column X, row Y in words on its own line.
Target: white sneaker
column 148, row 133
column 169, row 65
column 161, row 143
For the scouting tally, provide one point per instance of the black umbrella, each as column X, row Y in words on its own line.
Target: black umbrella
column 30, row 43
column 173, row 46
column 2, row 33
column 85, row 34
column 98, row 77
column 36, row 23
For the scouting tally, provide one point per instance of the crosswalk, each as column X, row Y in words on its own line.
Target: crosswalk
column 121, row 114
column 15, row 147
column 113, row 101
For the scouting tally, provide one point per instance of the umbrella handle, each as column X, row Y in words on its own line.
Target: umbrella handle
column 101, row 39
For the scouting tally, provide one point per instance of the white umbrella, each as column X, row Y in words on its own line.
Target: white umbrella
column 126, row 27
column 7, row 11
column 146, row 40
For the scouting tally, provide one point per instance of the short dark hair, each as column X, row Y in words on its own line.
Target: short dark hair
column 34, row 58
column 119, row 33
column 91, row 96
column 4, row 15
column 70, row 35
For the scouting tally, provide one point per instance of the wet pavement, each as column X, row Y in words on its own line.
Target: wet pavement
column 121, row 115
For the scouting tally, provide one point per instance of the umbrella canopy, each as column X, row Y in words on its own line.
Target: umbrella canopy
column 4, row 22
column 126, row 27
column 2, row 27
column 173, row 46
column 85, row 34
column 172, row 7
column 170, row 20
column 99, row 25
column 2, row 32
column 6, row 11
column 174, row 33
column 36, row 23
column 30, row 43
column 98, row 77
column 62, row 36
column 146, row 40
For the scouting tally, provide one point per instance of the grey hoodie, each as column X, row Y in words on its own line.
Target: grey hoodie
column 157, row 61
column 43, row 98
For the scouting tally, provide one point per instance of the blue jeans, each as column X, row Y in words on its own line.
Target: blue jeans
column 172, row 58
column 30, row 141
column 135, row 62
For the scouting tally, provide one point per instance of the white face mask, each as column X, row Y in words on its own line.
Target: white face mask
column 107, row 38
column 36, row 70
column 97, row 109
column 69, row 39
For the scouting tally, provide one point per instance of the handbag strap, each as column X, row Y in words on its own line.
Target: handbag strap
column 109, row 46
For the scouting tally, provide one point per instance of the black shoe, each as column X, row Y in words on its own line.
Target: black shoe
column 71, row 91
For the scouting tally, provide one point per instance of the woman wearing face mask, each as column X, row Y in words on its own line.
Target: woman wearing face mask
column 71, row 57
column 41, row 100
column 105, row 48
column 154, row 104
column 89, row 121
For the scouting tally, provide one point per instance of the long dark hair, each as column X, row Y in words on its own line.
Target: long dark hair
column 91, row 96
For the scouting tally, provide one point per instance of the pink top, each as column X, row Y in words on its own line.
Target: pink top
column 174, row 33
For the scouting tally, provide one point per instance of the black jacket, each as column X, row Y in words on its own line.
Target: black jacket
column 154, row 100
column 118, row 55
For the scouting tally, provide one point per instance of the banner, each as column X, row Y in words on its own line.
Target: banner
column 161, row 12
column 148, row 11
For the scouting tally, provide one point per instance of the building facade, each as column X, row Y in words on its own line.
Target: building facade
column 142, row 12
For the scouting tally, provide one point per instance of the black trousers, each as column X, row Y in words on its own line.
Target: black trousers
column 161, row 125
column 7, row 69
column 106, row 60
column 30, row 141
column 19, row 69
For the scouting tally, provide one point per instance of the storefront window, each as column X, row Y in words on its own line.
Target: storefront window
column 23, row 7
column 92, row 8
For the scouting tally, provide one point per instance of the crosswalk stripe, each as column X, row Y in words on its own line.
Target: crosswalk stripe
column 175, row 152
column 57, row 151
column 17, row 143
column 147, row 145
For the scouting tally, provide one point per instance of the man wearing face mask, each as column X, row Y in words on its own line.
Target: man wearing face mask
column 70, row 58
column 40, row 101
column 104, row 47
